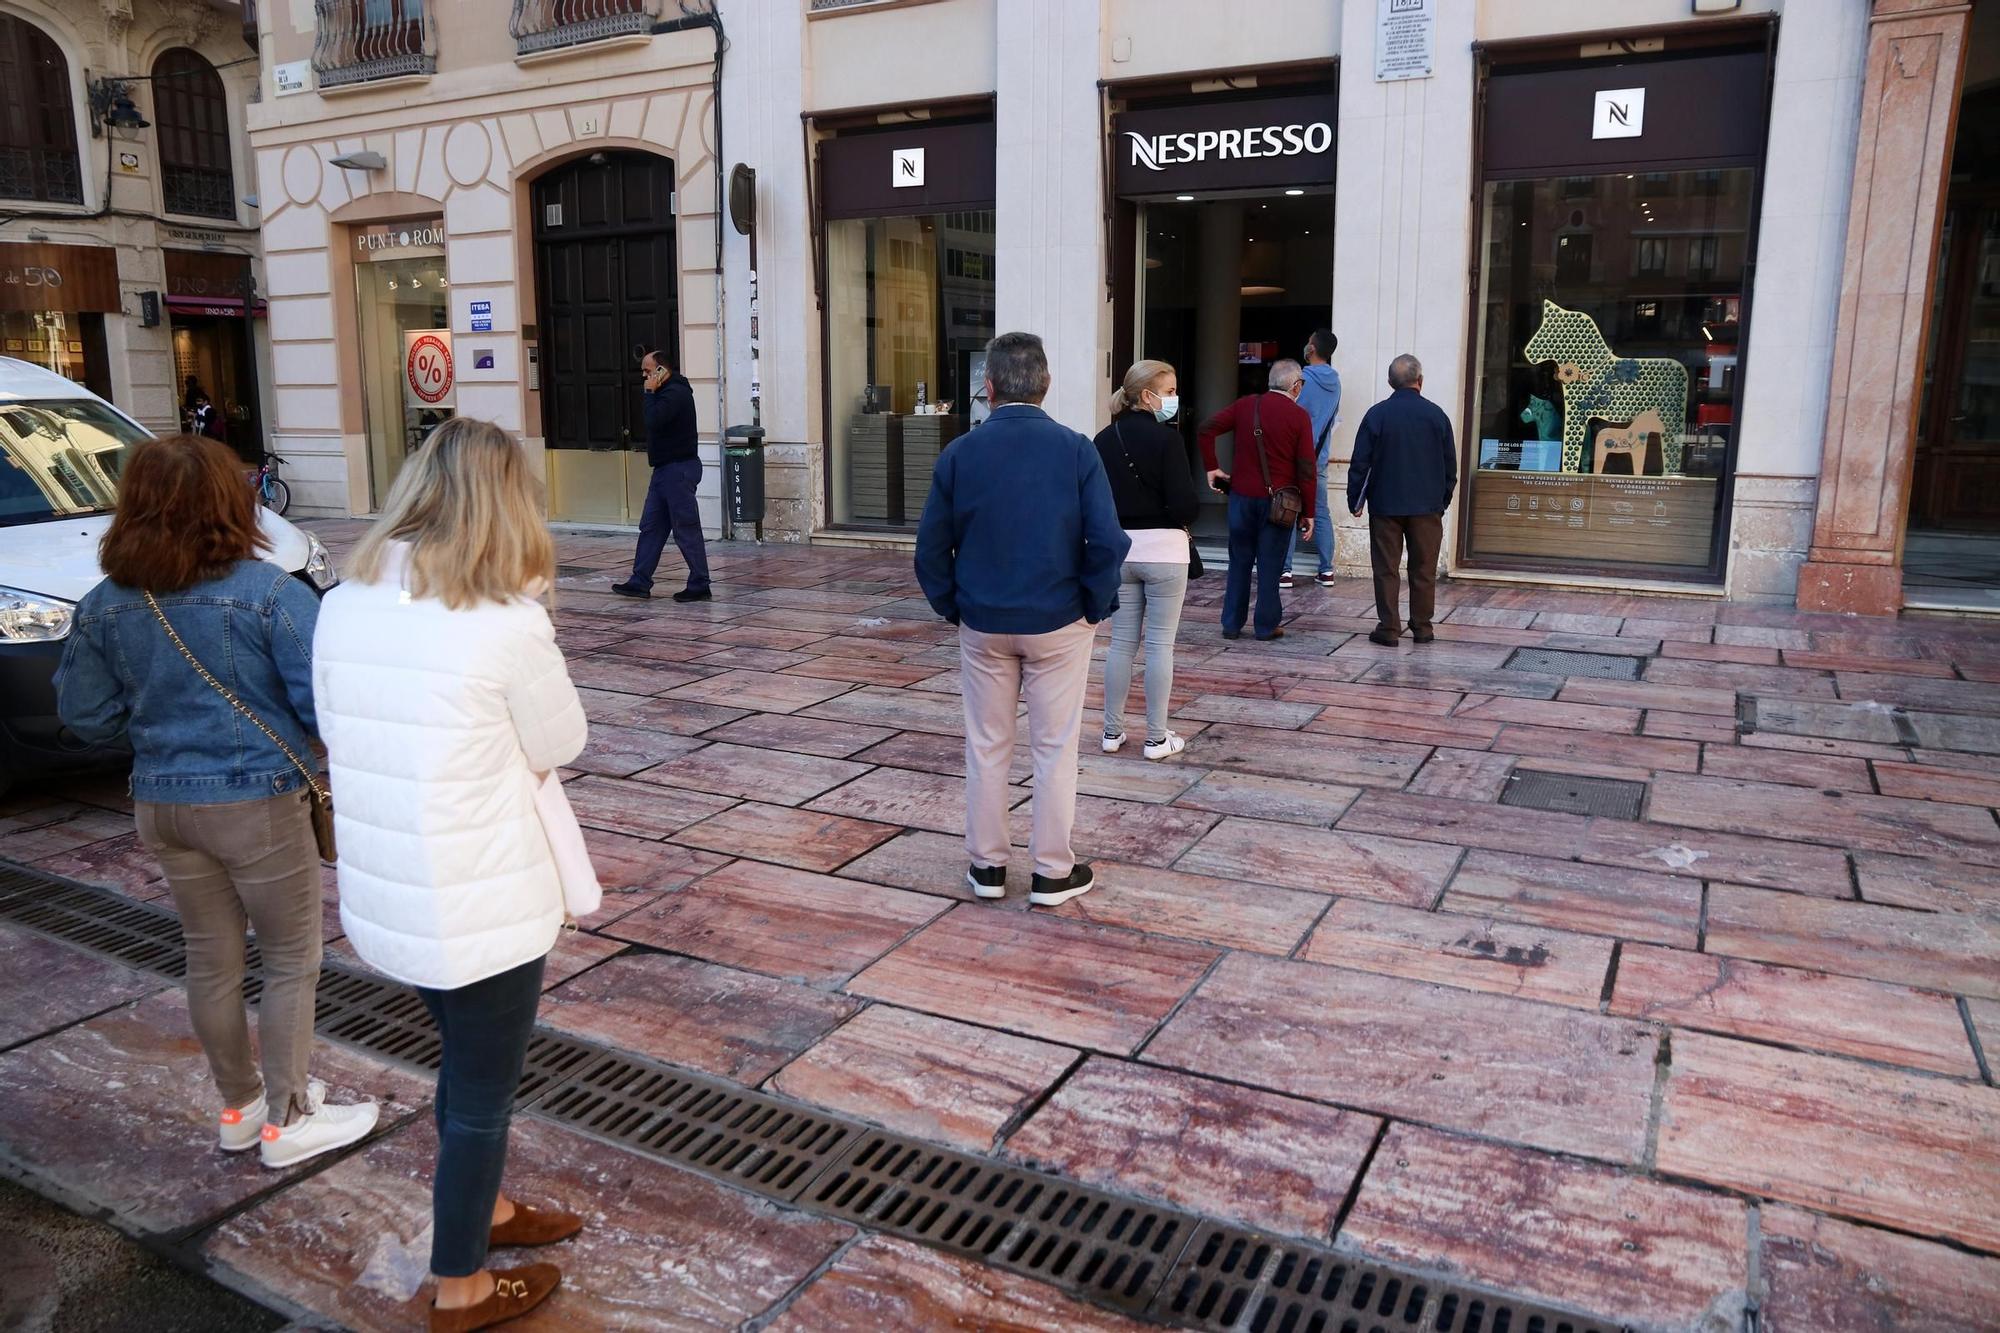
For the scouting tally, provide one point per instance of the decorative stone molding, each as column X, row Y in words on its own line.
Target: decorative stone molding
column 1916, row 57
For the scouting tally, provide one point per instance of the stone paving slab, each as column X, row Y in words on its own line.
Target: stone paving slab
column 1575, row 1233
column 118, row 1115
column 1821, row 1273
column 661, row 1248
column 1256, row 1157
column 45, row 985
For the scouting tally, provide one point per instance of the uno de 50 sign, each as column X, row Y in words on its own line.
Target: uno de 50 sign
column 1227, row 145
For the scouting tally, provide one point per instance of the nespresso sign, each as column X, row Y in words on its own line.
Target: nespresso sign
column 1226, row 145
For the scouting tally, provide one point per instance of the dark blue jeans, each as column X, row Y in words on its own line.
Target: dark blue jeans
column 1253, row 540
column 485, row 1027
column 671, row 510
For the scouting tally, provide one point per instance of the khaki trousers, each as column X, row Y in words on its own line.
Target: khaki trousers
column 248, row 863
column 1054, row 668
column 1425, row 535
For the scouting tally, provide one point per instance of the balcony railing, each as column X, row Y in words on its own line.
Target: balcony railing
column 362, row 40
column 46, row 174
column 198, row 191
column 546, row 25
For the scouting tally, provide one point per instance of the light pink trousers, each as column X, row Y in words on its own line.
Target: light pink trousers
column 1054, row 668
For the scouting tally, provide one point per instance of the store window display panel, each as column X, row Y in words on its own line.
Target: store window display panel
column 1609, row 314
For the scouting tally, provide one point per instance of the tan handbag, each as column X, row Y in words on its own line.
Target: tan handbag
column 1287, row 504
column 322, row 799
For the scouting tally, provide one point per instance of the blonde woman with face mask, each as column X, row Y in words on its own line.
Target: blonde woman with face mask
column 444, row 702
column 1152, row 483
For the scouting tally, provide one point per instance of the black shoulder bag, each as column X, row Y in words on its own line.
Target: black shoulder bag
column 1286, row 501
column 1195, row 570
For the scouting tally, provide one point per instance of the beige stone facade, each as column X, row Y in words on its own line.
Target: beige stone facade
column 125, row 208
column 465, row 139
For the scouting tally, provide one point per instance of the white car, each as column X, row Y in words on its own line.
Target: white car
column 61, row 451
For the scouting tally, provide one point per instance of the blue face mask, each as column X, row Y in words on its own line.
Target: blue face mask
column 1170, row 404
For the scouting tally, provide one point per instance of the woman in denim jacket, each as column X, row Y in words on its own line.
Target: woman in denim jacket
column 215, row 800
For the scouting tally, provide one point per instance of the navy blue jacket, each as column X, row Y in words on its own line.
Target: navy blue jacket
column 122, row 679
column 670, row 424
column 1404, row 460
column 1019, row 535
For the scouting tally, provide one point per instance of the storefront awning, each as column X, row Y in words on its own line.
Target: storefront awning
column 221, row 306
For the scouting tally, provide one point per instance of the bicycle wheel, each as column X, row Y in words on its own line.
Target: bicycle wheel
column 277, row 496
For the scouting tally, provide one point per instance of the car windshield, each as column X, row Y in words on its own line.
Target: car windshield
column 60, row 457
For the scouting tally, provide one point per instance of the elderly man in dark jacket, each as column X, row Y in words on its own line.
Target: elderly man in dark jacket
column 671, row 508
column 1405, row 468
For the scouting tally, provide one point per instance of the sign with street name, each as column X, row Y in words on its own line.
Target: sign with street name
column 1405, row 34
column 294, row 76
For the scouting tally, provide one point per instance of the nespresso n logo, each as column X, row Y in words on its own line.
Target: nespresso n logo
column 1159, row 151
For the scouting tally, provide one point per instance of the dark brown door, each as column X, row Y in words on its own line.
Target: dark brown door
column 1957, row 479
column 604, row 264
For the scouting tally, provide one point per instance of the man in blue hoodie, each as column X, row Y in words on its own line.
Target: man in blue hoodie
column 1019, row 546
column 671, row 508
column 1321, row 399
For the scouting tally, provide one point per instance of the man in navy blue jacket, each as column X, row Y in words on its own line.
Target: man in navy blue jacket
column 1019, row 546
column 671, row 508
column 1405, row 468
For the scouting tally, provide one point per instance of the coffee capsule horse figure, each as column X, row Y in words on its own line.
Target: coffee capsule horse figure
column 1596, row 383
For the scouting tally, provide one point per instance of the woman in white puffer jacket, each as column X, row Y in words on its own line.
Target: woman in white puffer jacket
column 443, row 701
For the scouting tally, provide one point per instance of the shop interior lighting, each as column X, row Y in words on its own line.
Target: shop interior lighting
column 1293, row 194
column 1184, row 198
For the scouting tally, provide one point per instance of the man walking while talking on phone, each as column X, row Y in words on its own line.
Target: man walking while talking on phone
column 1405, row 468
column 1274, row 450
column 671, row 508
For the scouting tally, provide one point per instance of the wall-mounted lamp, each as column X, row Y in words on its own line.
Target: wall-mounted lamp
column 111, row 105
column 366, row 160
column 252, row 201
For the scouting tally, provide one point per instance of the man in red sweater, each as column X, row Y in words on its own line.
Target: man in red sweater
column 1272, row 425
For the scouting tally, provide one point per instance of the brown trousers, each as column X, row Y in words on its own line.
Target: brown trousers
column 246, row 864
column 1386, row 535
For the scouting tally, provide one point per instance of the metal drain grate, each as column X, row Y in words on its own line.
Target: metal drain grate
column 1574, row 795
column 136, row 934
column 1560, row 662
column 388, row 1019
column 1143, row 1258
column 1110, row 1249
column 1238, row 1281
column 718, row 1128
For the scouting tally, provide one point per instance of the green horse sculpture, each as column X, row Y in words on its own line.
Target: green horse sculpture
column 1598, row 383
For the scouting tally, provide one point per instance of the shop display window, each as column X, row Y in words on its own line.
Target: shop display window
column 909, row 314
column 409, row 381
column 1606, row 366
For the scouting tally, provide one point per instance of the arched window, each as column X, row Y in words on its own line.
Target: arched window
column 191, row 118
column 38, row 158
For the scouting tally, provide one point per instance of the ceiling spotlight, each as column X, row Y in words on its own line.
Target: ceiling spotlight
column 366, row 160
column 1293, row 194
column 1184, row 198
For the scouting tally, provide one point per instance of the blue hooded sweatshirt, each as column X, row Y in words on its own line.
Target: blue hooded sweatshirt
column 1321, row 400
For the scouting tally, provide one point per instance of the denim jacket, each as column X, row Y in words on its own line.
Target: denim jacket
column 122, row 680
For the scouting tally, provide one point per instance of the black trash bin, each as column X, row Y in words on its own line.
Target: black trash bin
column 743, row 474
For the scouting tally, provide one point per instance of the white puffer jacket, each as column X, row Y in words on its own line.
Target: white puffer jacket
column 435, row 723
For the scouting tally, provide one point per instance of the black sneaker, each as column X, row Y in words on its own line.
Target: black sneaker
column 629, row 589
column 987, row 881
column 693, row 595
column 1046, row 892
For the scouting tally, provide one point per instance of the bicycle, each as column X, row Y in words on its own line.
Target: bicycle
column 272, row 493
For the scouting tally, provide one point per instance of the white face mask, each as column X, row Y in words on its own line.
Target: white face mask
column 1169, row 405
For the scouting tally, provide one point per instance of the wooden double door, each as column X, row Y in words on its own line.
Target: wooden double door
column 607, row 294
column 1956, row 484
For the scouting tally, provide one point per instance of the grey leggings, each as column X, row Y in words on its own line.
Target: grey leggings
column 249, row 863
column 1151, row 593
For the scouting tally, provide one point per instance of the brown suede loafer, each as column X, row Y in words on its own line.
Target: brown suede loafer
column 515, row 1292
column 534, row 1226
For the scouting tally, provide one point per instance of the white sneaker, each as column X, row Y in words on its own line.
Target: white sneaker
column 1172, row 745
column 1113, row 744
column 241, row 1125
column 322, row 1129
